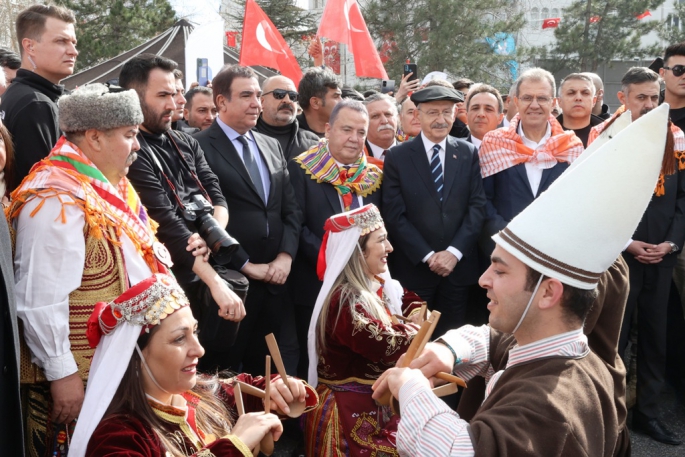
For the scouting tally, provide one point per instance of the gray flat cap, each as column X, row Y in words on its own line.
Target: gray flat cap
column 435, row 93
column 97, row 106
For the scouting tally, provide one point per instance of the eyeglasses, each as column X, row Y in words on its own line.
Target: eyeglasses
column 678, row 70
column 528, row 99
column 279, row 94
column 447, row 114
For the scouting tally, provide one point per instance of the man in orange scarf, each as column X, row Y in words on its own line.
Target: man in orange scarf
column 521, row 161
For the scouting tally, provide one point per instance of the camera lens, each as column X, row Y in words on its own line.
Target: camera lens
column 218, row 240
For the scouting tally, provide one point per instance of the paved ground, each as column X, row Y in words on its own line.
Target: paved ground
column 673, row 411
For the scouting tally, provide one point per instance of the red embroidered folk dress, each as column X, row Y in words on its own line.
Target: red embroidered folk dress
column 126, row 435
column 359, row 348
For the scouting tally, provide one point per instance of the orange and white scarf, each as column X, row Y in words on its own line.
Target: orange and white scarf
column 504, row 148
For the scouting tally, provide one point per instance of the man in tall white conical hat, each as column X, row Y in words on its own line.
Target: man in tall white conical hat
column 651, row 256
column 547, row 393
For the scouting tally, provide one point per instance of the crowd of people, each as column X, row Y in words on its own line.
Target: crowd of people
column 155, row 237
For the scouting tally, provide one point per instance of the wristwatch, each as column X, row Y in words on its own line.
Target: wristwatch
column 674, row 247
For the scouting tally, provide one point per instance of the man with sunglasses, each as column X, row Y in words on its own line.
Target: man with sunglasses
column 279, row 117
column 673, row 73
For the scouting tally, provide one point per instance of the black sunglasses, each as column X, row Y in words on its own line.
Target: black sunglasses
column 279, row 94
column 678, row 70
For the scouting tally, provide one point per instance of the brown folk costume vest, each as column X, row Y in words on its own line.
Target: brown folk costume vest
column 104, row 279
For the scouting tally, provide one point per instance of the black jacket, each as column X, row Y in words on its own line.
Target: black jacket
column 159, row 199
column 418, row 222
column 583, row 133
column 292, row 138
column 30, row 114
column 263, row 230
column 304, row 125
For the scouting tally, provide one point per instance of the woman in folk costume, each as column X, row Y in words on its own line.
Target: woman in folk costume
column 145, row 397
column 353, row 339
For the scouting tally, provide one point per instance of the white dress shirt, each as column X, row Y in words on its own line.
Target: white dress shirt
column 263, row 169
column 48, row 266
column 428, row 145
column 378, row 151
column 533, row 172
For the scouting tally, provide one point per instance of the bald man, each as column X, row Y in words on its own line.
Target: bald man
column 278, row 119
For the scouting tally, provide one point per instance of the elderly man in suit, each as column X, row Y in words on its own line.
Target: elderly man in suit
column 330, row 178
column 433, row 206
column 265, row 218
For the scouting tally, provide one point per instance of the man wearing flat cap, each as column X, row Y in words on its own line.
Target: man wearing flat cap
column 82, row 237
column 434, row 205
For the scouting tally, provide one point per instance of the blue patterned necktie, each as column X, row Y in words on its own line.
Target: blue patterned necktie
column 252, row 168
column 436, row 170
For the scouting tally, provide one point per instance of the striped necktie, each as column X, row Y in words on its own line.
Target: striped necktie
column 436, row 170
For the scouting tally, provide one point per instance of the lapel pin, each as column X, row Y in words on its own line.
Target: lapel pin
column 454, row 156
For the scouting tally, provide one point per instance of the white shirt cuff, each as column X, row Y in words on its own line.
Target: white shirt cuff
column 627, row 244
column 454, row 251
column 59, row 367
column 428, row 256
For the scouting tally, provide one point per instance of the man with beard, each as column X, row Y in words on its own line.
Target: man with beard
column 171, row 168
column 382, row 127
column 434, row 205
column 200, row 110
column 576, row 99
column 279, row 117
column 651, row 257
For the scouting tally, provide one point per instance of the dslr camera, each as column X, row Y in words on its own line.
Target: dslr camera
column 199, row 211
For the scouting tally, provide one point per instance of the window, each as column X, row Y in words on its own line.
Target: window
column 534, row 18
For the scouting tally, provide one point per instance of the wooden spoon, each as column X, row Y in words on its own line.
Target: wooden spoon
column 267, row 443
column 296, row 407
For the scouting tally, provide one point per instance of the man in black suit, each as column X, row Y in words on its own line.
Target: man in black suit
column 265, row 218
column 434, row 206
column 345, row 181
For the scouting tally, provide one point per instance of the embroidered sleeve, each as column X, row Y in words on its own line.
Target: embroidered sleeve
column 369, row 337
column 411, row 303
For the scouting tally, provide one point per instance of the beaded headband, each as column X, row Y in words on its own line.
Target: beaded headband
column 367, row 219
column 145, row 304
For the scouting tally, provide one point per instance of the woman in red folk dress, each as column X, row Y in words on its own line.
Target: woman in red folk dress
column 144, row 397
column 353, row 340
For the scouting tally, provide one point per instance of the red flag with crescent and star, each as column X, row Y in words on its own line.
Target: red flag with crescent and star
column 342, row 21
column 262, row 44
column 551, row 23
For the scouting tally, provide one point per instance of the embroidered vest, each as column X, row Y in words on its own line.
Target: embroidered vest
column 104, row 279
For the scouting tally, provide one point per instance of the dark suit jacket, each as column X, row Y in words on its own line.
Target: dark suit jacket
column 508, row 193
column 11, row 439
column 263, row 230
column 664, row 219
column 317, row 202
column 419, row 223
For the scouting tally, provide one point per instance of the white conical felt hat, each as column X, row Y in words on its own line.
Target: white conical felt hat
column 577, row 228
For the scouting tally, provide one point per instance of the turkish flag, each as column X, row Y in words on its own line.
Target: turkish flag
column 263, row 45
column 643, row 15
column 551, row 23
column 231, row 39
column 594, row 19
column 342, row 21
